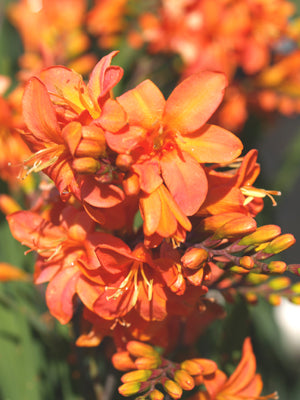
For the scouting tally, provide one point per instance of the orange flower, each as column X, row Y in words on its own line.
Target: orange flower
column 52, row 33
column 244, row 383
column 14, row 150
column 63, row 117
column 66, row 257
column 169, row 140
column 135, row 280
column 106, row 20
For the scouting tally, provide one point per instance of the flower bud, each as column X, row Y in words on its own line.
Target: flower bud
column 86, row 165
column 238, row 270
column 235, row 228
column 124, row 161
column 247, row 262
column 280, row 243
column 140, row 375
column 10, row 273
column 277, row 267
column 92, row 143
column 173, row 389
column 212, row 223
column 256, row 279
column 194, row 257
column 274, row 299
column 280, row 283
column 147, row 362
column 130, row 388
column 122, row 361
column 139, row 349
column 8, row 205
column 295, row 300
column 184, row 379
column 294, row 268
column 192, row 367
column 262, row 234
column 156, row 395
column 251, row 298
column 208, row 366
column 131, row 184
column 296, row 288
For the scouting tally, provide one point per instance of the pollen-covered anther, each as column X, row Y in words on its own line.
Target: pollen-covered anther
column 251, row 193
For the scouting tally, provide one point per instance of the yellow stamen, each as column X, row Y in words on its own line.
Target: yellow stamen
column 252, row 192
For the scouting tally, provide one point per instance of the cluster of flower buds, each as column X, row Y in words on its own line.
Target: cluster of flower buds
column 151, row 369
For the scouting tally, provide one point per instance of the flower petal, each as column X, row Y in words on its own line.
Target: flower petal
column 193, row 101
column 39, row 113
column 60, row 292
column 100, row 194
column 212, row 144
column 185, row 179
column 113, row 117
column 104, row 77
column 144, row 105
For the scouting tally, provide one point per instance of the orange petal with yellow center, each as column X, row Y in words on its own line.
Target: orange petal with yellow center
column 211, row 144
column 193, row 102
column 185, row 179
column 67, row 88
column 144, row 105
column 39, row 113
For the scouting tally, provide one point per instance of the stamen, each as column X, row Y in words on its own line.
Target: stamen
column 252, row 193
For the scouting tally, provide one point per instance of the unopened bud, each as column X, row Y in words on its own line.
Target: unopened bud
column 274, row 299
column 235, row 228
column 238, row 270
column 277, row 267
column 192, row 367
column 124, row 161
column 86, row 165
column 147, row 362
column 8, row 205
column 130, row 388
column 296, row 288
column 140, row 375
column 184, row 379
column 194, row 257
column 131, row 184
column 296, row 300
column 262, row 234
column 139, row 349
column 247, row 262
column 294, row 268
column 156, row 395
column 122, row 361
column 214, row 222
column 173, row 389
column 256, row 279
column 280, row 243
column 92, row 143
column 208, row 366
column 251, row 298
column 280, row 283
